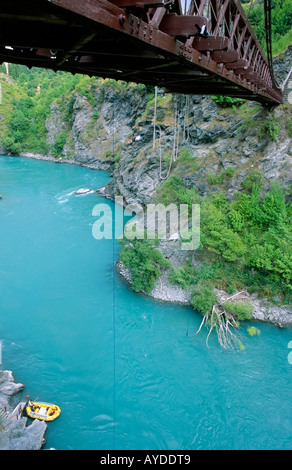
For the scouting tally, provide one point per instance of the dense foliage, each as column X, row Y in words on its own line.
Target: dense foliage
column 28, row 95
column 34, row 91
column 281, row 22
column 244, row 243
column 203, row 298
column 145, row 263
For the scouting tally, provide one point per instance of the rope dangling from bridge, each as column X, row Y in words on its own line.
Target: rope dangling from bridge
column 155, row 117
column 186, row 130
column 160, row 159
column 175, row 145
column 268, row 28
column 176, row 131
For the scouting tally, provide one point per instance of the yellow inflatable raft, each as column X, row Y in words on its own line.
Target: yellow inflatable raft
column 42, row 411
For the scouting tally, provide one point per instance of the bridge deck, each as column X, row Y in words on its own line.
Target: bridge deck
column 148, row 42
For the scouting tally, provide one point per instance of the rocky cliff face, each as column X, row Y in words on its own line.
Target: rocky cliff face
column 210, row 147
column 15, row 433
column 98, row 127
column 118, row 135
column 236, row 139
column 218, row 140
column 282, row 64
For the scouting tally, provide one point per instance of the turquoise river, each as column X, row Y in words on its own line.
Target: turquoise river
column 119, row 364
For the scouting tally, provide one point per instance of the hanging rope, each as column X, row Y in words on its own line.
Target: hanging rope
column 186, row 130
column 175, row 145
column 155, row 118
column 176, row 130
column 160, row 159
column 268, row 27
column 174, row 135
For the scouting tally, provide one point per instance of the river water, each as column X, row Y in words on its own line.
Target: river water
column 119, row 364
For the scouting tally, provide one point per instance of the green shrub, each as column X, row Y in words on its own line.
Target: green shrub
column 242, row 310
column 227, row 101
column 229, row 172
column 117, row 158
column 254, row 178
column 270, row 128
column 167, row 192
column 206, row 272
column 184, row 277
column 9, row 144
column 59, row 143
column 251, row 235
column 145, row 263
column 221, row 178
column 203, row 299
column 253, row 331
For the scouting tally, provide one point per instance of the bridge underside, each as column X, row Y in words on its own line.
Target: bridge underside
column 134, row 42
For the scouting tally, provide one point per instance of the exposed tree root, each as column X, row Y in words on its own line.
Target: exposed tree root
column 225, row 325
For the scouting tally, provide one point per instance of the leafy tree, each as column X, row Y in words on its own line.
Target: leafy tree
column 203, row 298
column 281, row 23
column 145, row 262
column 217, row 236
column 227, row 101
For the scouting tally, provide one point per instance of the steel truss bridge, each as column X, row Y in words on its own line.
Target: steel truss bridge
column 155, row 42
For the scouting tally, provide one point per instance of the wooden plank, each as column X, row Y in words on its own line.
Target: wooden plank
column 244, row 71
column 239, row 64
column 176, row 25
column 210, row 43
column 223, row 57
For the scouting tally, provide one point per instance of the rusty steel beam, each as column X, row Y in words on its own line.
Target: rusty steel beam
column 244, row 71
column 210, row 44
column 240, row 63
column 224, row 57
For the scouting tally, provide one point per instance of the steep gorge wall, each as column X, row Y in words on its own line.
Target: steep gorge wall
column 117, row 134
column 218, row 140
column 96, row 132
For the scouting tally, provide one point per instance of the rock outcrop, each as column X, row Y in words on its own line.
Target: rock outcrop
column 15, row 431
column 95, row 134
